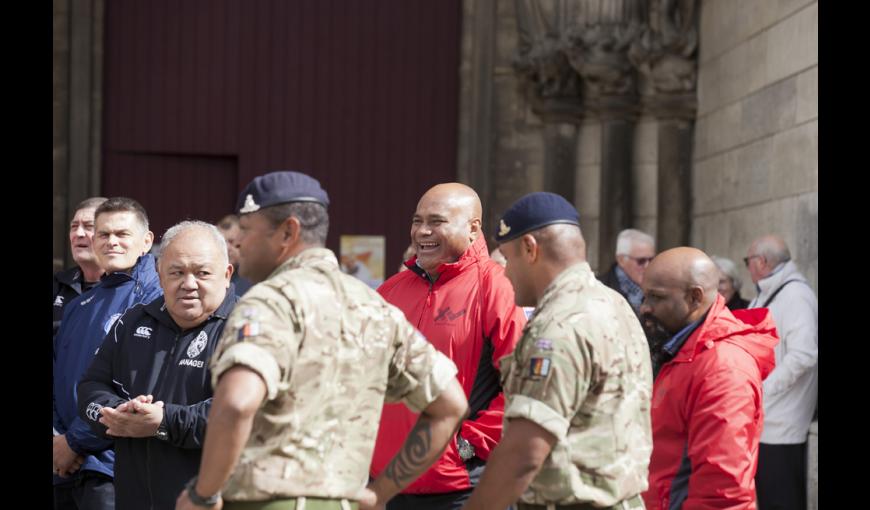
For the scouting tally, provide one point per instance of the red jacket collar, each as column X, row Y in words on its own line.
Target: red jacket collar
column 723, row 325
column 474, row 254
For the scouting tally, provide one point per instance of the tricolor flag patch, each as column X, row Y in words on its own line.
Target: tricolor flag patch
column 539, row 367
column 249, row 329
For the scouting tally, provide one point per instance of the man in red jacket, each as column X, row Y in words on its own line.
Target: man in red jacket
column 707, row 399
column 464, row 305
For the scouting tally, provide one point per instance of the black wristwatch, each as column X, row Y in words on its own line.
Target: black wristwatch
column 162, row 433
column 198, row 500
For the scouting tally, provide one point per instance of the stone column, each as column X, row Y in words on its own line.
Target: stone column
column 476, row 99
column 666, row 55
column 599, row 40
column 553, row 88
column 77, row 106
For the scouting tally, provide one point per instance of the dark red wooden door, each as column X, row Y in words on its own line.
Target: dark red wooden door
column 203, row 95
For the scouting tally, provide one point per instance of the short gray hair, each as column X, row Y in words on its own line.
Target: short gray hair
column 630, row 237
column 728, row 267
column 773, row 249
column 173, row 231
column 312, row 217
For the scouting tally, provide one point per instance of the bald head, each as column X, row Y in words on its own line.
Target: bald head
column 445, row 224
column 679, row 286
column 686, row 267
column 457, row 195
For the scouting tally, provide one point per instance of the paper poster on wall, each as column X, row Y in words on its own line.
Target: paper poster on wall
column 363, row 258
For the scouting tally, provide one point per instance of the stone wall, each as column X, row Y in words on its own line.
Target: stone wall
column 756, row 137
column 755, row 166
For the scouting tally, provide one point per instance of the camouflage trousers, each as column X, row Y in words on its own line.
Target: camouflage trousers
column 635, row 503
column 301, row 503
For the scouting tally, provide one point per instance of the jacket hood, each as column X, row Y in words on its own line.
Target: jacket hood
column 768, row 285
column 752, row 330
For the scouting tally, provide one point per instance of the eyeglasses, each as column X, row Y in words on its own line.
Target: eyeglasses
column 747, row 259
column 641, row 261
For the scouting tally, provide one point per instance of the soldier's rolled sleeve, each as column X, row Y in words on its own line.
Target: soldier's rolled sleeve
column 259, row 335
column 253, row 357
column 430, row 386
column 418, row 372
column 539, row 413
column 548, row 384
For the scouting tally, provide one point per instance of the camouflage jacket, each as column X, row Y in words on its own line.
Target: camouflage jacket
column 582, row 372
column 330, row 351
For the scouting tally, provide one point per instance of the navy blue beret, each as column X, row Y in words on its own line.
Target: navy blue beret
column 534, row 211
column 277, row 188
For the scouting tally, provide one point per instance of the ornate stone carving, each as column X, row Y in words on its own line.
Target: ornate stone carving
column 553, row 84
column 597, row 45
column 665, row 53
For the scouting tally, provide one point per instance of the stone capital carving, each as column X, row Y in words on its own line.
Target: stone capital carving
column 597, row 49
column 553, row 84
column 666, row 54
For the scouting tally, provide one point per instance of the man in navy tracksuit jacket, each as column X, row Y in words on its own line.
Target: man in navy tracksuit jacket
column 83, row 460
column 85, row 275
column 155, row 360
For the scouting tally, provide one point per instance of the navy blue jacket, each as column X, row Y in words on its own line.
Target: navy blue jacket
column 146, row 353
column 66, row 286
column 86, row 321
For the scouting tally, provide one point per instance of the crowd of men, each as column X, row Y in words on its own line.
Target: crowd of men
column 237, row 366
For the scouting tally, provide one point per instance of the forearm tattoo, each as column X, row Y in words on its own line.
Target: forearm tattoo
column 412, row 458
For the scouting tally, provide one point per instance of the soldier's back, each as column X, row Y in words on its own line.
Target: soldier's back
column 327, row 346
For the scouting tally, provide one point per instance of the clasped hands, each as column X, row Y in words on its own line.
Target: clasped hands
column 139, row 417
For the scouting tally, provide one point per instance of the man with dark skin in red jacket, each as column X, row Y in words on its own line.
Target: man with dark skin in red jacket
column 462, row 302
column 707, row 409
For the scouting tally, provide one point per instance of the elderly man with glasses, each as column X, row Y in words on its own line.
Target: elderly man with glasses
column 634, row 251
column 791, row 391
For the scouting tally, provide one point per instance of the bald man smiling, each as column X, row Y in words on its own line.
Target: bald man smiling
column 462, row 302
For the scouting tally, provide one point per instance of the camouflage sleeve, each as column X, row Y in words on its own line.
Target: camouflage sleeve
column 258, row 335
column 418, row 372
column 545, row 385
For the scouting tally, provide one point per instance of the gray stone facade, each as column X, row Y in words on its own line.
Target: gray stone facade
column 756, row 140
column 754, row 148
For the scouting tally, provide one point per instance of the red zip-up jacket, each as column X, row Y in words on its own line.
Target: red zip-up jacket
column 707, row 413
column 469, row 314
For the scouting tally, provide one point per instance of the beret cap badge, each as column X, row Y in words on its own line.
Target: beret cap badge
column 250, row 206
column 503, row 229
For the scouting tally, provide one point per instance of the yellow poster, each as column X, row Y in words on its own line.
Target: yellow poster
column 363, row 257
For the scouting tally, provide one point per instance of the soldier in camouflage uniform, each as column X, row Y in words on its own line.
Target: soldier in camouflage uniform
column 303, row 368
column 577, row 418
